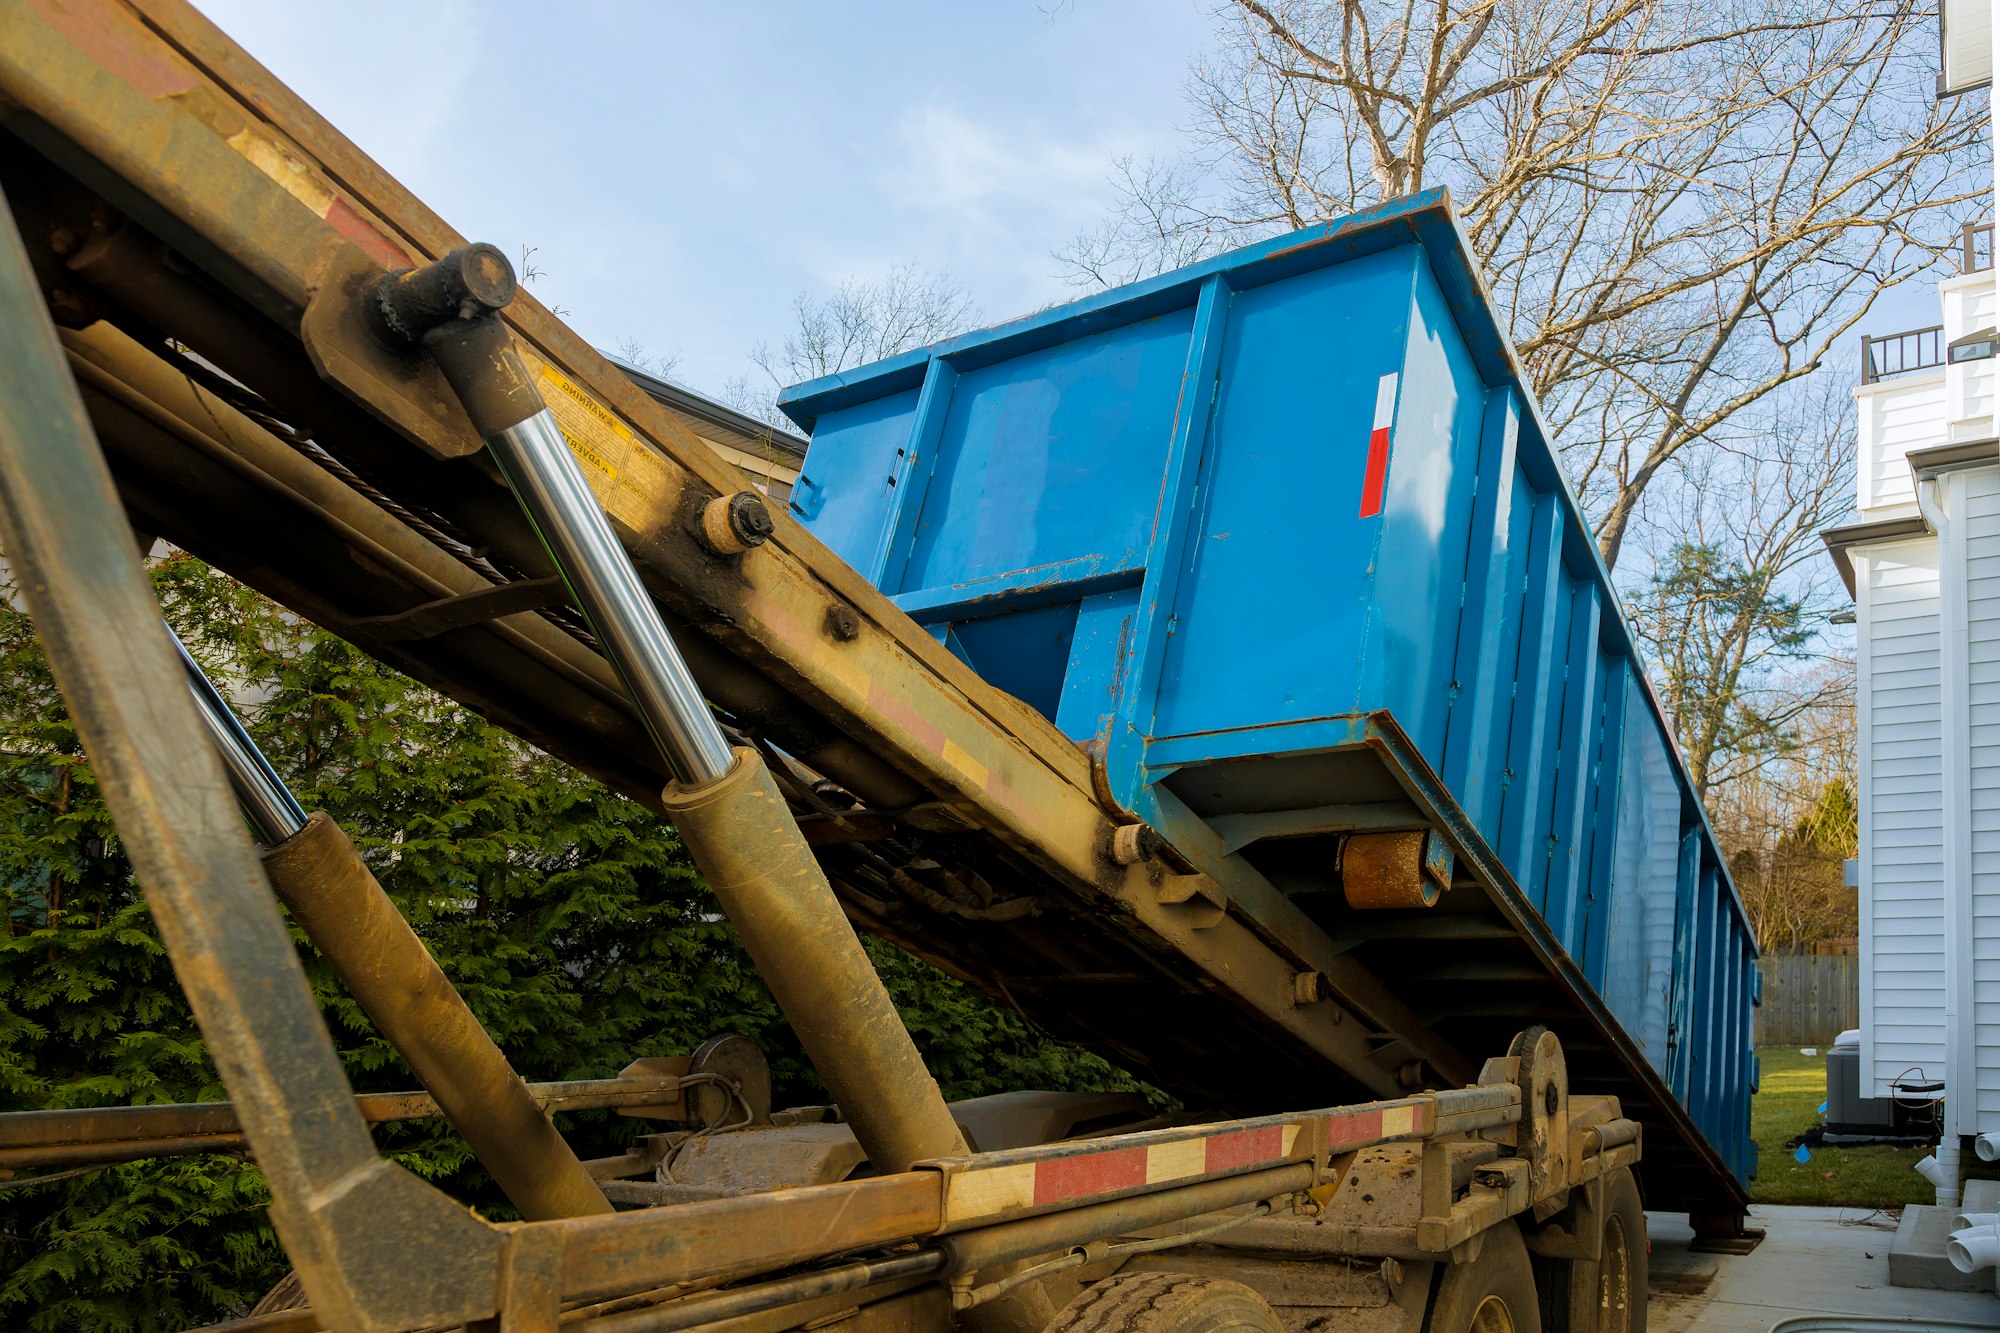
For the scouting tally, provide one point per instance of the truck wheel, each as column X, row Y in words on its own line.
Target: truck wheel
column 1167, row 1303
column 1495, row 1293
column 1609, row 1295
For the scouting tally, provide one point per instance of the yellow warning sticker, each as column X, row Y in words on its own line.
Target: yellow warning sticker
column 629, row 478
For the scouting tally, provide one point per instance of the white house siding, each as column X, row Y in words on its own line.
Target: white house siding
column 1981, row 509
column 1968, row 308
column 1897, row 416
column 1902, row 902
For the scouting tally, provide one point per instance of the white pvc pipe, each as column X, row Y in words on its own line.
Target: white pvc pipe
column 1941, row 1171
column 1964, row 1220
column 1947, row 1153
column 1974, row 1248
column 1988, row 1147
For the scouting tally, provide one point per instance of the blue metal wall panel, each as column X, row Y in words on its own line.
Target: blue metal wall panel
column 1153, row 516
column 1690, row 877
column 1427, row 516
column 1561, row 901
column 1300, row 367
column 1054, row 457
column 1645, row 899
column 1522, row 806
column 1502, row 643
column 1122, row 734
column 1602, row 824
column 862, row 454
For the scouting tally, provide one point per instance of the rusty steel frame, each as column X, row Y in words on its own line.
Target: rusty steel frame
column 599, row 1258
column 346, row 1215
column 280, row 216
column 333, row 896
column 145, row 103
column 104, row 1134
column 731, row 814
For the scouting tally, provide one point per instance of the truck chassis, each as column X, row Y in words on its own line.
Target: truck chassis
column 170, row 215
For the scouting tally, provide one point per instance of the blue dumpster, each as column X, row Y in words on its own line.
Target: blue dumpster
column 1281, row 540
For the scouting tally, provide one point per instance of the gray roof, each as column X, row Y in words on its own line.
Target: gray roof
column 703, row 408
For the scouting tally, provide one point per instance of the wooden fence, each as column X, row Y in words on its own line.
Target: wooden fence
column 1809, row 999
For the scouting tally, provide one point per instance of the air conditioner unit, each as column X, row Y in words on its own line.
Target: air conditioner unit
column 1851, row 1115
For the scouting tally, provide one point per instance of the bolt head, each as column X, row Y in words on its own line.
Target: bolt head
column 842, row 623
column 69, row 309
column 750, row 519
column 486, row 279
column 1134, row 844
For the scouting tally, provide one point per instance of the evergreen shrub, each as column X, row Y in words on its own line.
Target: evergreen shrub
column 570, row 919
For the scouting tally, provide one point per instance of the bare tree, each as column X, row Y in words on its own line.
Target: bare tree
column 1681, row 205
column 866, row 320
column 634, row 353
column 531, row 273
column 754, row 397
column 1736, row 604
column 1734, row 619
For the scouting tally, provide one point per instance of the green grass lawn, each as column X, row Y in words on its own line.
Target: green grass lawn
column 1787, row 1105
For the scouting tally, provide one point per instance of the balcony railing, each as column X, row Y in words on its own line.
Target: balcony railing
column 1900, row 353
column 1975, row 247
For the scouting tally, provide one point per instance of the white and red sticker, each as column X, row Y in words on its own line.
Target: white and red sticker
column 1377, row 476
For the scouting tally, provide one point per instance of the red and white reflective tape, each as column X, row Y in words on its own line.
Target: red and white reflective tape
column 1082, row 1173
column 1366, row 1126
column 994, row 1191
column 1377, row 476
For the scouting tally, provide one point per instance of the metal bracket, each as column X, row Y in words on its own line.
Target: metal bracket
column 1178, row 889
column 1542, row 1135
column 405, row 391
column 431, row 619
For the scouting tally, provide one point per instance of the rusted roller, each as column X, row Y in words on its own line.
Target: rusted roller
column 1386, row 870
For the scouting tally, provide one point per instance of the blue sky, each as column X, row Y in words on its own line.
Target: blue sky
column 683, row 169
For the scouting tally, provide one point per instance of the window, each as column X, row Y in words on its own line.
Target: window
column 1973, row 346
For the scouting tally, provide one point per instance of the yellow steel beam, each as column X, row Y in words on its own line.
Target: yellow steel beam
column 224, row 162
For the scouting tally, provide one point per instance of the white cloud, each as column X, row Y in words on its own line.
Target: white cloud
column 996, row 195
column 956, row 163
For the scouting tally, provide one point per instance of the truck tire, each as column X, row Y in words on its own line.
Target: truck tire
column 1494, row 1293
column 1608, row 1295
column 1166, row 1303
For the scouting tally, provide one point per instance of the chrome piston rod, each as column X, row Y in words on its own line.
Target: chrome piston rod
column 731, row 814
column 274, row 813
column 551, row 487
